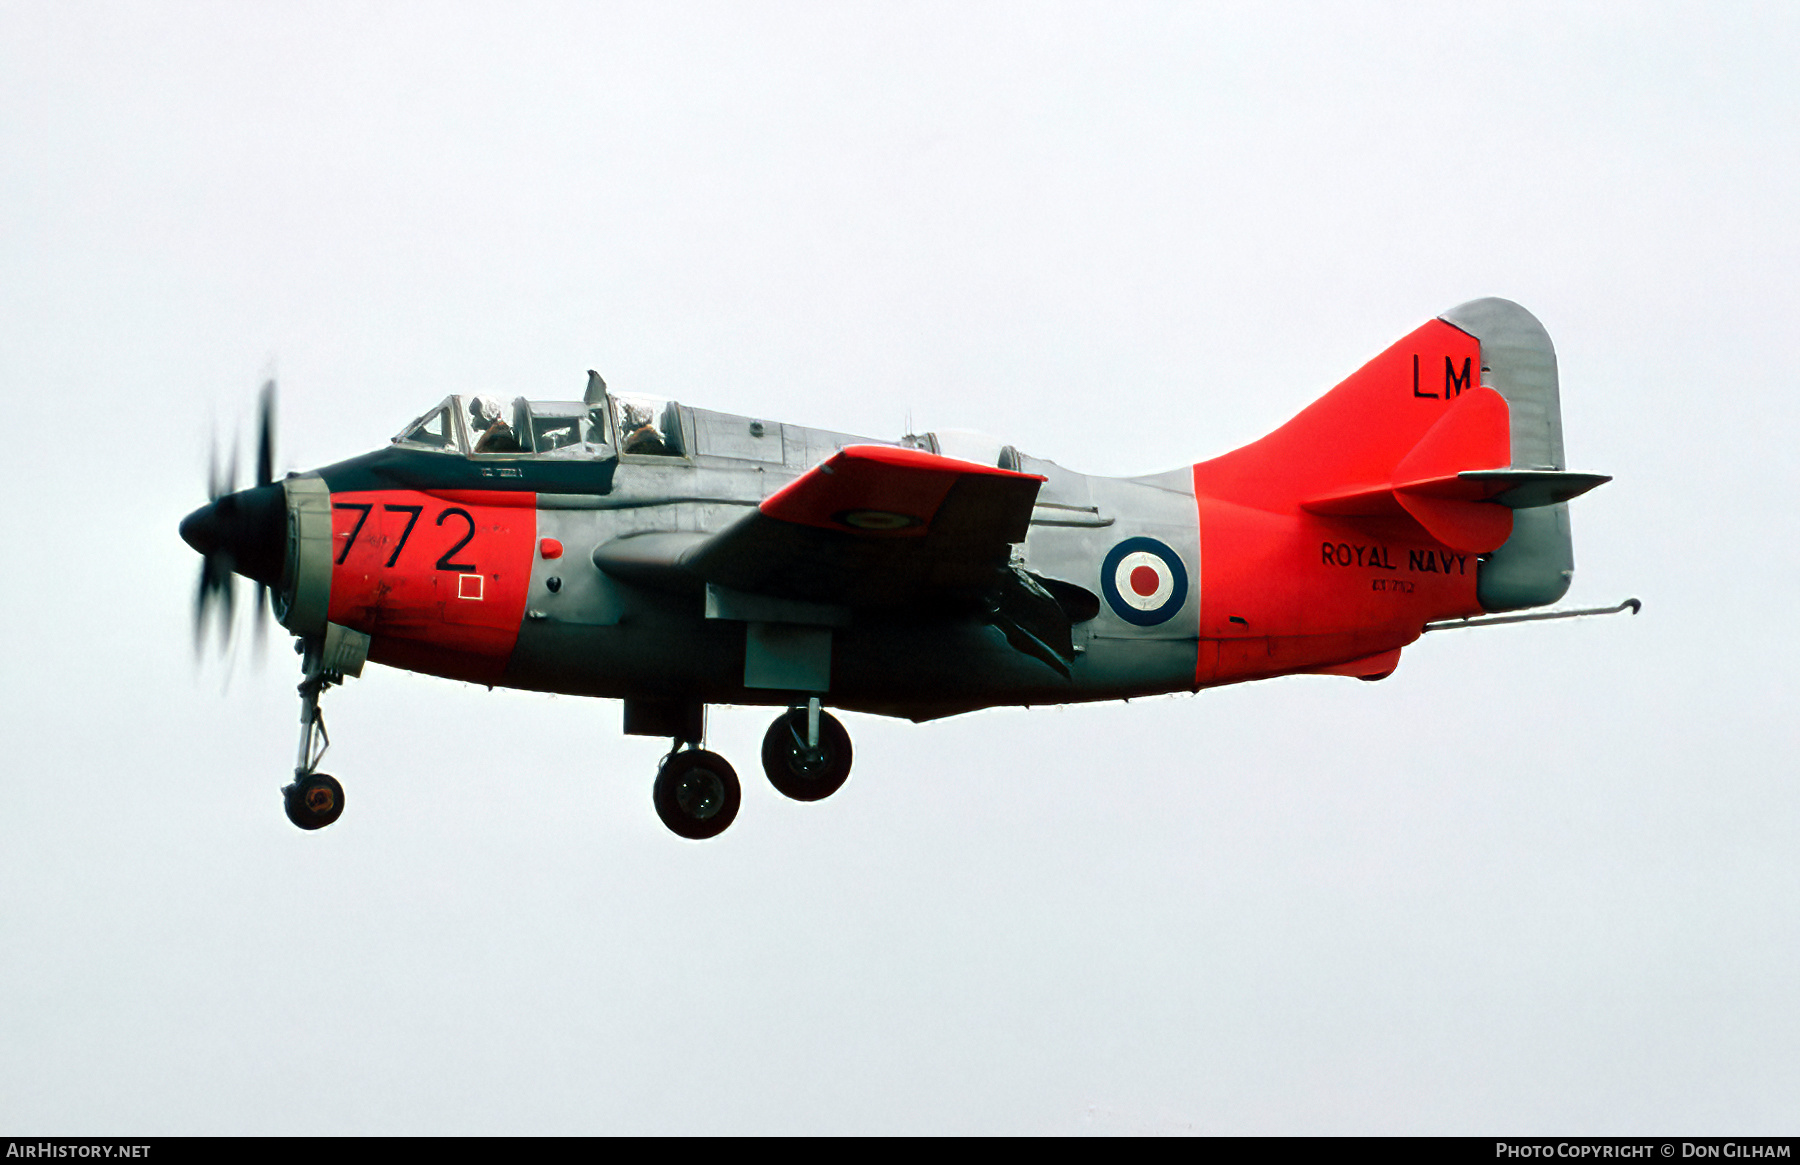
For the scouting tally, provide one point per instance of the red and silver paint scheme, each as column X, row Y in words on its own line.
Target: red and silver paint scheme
column 673, row 557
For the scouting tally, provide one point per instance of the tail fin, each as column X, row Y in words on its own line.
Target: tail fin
column 1459, row 427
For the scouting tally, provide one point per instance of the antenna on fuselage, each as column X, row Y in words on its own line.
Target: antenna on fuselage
column 596, row 389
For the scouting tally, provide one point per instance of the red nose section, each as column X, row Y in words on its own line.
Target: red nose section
column 438, row 579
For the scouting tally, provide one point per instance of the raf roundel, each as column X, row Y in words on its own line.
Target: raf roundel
column 1144, row 581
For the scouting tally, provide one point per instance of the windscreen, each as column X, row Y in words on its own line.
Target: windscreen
column 435, row 430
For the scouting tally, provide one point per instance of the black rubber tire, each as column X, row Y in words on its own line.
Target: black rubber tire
column 785, row 764
column 314, row 801
column 697, row 794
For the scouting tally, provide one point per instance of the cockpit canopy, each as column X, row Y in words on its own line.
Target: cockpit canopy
column 481, row 425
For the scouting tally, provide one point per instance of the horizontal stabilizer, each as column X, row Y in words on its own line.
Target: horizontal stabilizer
column 1526, row 489
column 1516, row 489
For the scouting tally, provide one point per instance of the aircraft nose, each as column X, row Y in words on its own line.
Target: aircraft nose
column 249, row 527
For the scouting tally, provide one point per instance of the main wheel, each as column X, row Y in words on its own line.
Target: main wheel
column 314, row 801
column 697, row 794
column 799, row 772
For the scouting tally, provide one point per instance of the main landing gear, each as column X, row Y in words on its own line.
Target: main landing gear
column 697, row 793
column 315, row 799
column 806, row 755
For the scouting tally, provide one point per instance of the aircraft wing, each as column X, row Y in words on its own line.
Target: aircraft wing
column 875, row 526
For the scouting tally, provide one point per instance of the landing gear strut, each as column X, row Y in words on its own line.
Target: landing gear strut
column 806, row 753
column 315, row 799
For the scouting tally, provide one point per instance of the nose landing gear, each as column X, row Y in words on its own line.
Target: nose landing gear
column 315, row 799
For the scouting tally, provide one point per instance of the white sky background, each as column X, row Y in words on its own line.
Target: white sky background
column 1543, row 879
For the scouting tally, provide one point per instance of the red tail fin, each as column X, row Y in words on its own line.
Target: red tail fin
column 1391, row 439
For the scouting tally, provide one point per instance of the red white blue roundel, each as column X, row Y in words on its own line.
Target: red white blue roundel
column 1144, row 581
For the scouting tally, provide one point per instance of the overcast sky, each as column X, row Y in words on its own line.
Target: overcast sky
column 1543, row 879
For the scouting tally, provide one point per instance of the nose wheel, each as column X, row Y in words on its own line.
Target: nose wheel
column 806, row 753
column 314, row 801
column 697, row 793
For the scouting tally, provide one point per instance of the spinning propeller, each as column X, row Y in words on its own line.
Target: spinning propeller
column 239, row 531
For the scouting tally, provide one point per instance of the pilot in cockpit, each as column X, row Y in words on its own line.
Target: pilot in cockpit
column 488, row 428
column 641, row 433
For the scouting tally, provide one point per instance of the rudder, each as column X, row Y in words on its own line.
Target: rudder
column 1536, row 564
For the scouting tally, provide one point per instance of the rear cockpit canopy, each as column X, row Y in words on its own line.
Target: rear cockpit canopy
column 648, row 425
column 965, row 445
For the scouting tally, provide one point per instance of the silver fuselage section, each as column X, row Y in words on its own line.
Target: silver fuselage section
column 601, row 635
